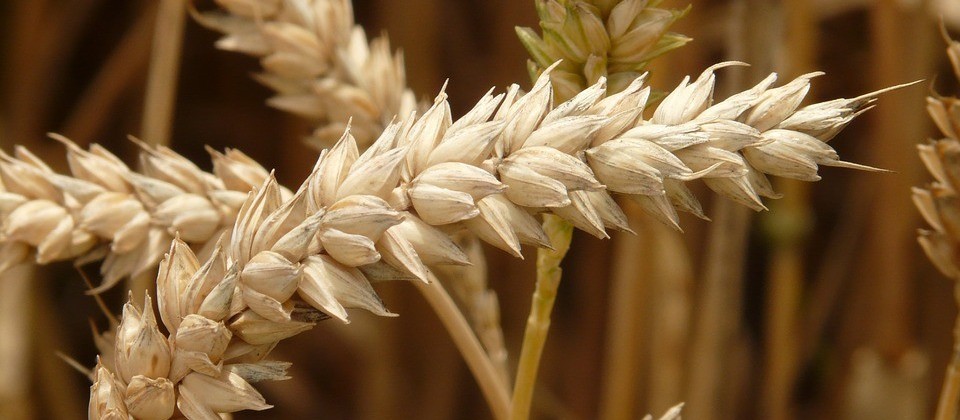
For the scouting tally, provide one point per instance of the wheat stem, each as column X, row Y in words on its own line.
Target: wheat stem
column 16, row 308
column 541, row 305
column 622, row 352
column 788, row 228
column 719, row 305
column 122, row 69
column 158, row 109
column 164, row 68
column 483, row 370
column 478, row 301
column 950, row 394
column 672, row 277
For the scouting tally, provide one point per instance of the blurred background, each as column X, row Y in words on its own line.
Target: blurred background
column 824, row 307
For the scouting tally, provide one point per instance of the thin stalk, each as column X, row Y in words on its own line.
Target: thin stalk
column 718, row 318
column 16, row 313
column 121, row 70
column 950, row 394
column 59, row 400
column 494, row 390
column 782, row 338
column 788, row 228
column 164, row 70
column 884, row 353
column 894, row 222
column 717, row 323
column 161, row 92
column 628, row 293
column 472, row 291
column 672, row 278
column 541, row 306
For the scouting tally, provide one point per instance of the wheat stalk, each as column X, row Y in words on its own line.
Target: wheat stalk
column 940, row 206
column 319, row 62
column 478, row 300
column 387, row 213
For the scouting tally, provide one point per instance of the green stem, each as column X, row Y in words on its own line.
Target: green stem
column 538, row 323
column 950, row 393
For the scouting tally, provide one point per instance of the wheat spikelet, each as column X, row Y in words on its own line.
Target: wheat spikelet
column 388, row 212
column 939, row 204
column 319, row 63
column 104, row 209
column 615, row 39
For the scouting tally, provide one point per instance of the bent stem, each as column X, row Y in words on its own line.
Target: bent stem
column 538, row 323
column 494, row 390
column 950, row 394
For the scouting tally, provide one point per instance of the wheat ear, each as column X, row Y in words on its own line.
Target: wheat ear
column 386, row 214
column 104, row 209
column 940, row 206
column 319, row 63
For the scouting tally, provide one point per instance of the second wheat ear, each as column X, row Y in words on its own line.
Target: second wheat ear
column 319, row 62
